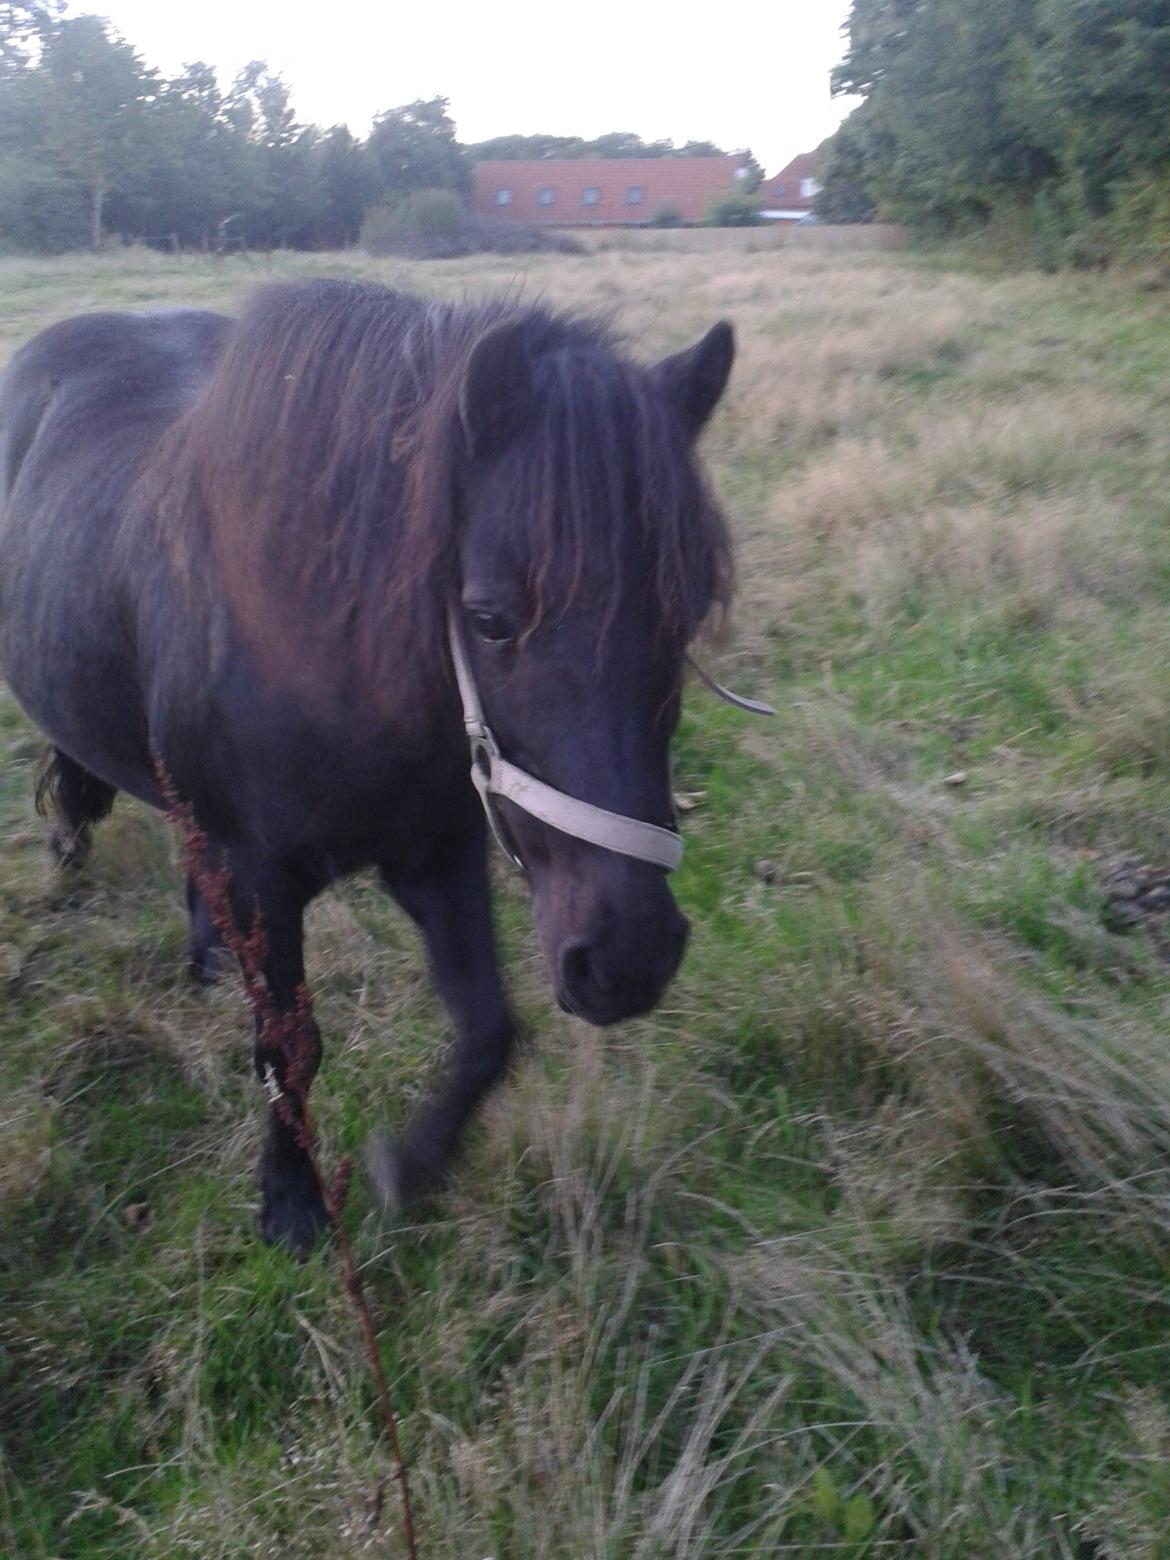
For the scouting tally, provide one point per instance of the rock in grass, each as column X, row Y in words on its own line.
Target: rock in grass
column 687, row 801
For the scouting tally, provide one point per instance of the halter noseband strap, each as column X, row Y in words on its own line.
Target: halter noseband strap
column 492, row 775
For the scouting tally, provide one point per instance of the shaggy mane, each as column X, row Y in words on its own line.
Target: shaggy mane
column 322, row 467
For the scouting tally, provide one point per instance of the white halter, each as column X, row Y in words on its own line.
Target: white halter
column 492, row 775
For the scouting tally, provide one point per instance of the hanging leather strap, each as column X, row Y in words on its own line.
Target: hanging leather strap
column 752, row 706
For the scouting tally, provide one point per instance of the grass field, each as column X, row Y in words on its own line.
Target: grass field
column 861, row 1244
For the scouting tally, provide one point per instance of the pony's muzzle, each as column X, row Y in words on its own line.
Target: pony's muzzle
column 604, row 980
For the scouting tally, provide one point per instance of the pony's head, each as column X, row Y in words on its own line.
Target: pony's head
column 590, row 551
column 362, row 463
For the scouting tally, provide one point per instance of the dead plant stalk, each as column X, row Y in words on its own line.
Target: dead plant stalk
column 287, row 1035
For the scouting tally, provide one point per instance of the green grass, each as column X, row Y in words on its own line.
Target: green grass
column 860, row 1243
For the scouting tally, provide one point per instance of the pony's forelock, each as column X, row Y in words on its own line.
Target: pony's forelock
column 324, row 464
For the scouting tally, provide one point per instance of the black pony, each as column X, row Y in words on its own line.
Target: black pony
column 238, row 549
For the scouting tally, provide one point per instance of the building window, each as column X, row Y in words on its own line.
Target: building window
column 591, row 196
column 544, row 197
column 634, row 195
column 503, row 197
column 809, row 188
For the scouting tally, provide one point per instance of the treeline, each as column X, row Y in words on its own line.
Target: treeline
column 1055, row 110
column 619, row 143
column 94, row 143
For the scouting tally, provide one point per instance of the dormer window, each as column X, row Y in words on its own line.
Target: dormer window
column 591, row 196
column 503, row 197
column 545, row 196
column 634, row 195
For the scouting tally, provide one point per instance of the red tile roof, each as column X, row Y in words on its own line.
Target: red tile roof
column 596, row 191
column 783, row 188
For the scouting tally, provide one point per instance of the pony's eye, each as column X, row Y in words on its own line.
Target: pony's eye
column 491, row 627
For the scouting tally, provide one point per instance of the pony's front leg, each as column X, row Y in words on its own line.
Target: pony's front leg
column 451, row 905
column 207, row 955
column 287, row 1049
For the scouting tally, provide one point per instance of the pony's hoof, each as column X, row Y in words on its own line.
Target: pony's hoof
column 382, row 1171
column 399, row 1179
column 206, row 966
column 69, row 848
column 295, row 1222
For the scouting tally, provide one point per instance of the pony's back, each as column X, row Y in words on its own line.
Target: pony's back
column 81, row 408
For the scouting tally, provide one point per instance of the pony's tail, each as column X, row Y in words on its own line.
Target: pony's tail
column 48, row 787
column 71, row 791
column 78, row 799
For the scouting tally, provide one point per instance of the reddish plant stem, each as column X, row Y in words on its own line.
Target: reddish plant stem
column 288, row 1035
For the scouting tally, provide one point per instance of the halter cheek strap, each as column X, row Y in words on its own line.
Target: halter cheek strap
column 492, row 775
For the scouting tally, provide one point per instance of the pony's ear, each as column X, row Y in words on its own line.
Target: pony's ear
column 495, row 398
column 696, row 378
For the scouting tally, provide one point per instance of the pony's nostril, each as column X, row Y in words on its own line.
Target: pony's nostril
column 575, row 963
column 580, row 968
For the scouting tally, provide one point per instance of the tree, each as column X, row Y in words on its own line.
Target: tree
column 346, row 178
column 195, row 170
column 1057, row 107
column 22, row 26
column 22, row 100
column 617, row 144
column 278, row 189
column 879, row 33
column 940, row 137
column 698, row 149
column 414, row 148
column 40, row 212
column 519, row 148
column 755, row 174
column 1095, row 78
column 624, row 143
column 844, row 164
column 95, row 94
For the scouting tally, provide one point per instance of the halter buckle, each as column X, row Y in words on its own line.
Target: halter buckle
column 485, row 753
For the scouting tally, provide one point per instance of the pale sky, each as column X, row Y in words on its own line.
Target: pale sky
column 754, row 73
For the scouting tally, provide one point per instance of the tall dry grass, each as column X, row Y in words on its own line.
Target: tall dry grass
column 831, row 1254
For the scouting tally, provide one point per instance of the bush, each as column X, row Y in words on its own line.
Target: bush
column 428, row 224
column 437, row 225
column 1140, row 221
column 40, row 212
column 667, row 216
column 491, row 235
column 1067, row 235
column 734, row 210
